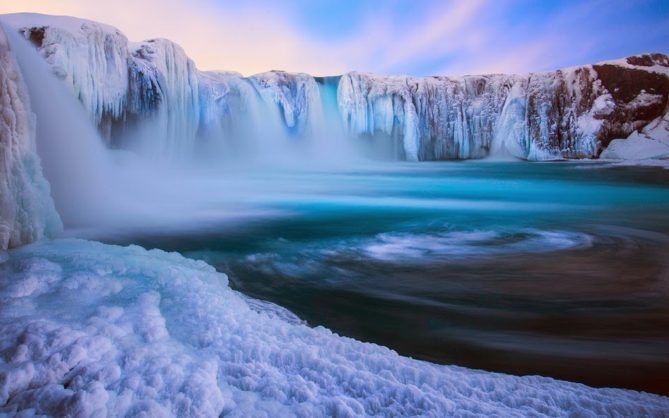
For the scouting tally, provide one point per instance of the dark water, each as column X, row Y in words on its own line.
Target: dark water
column 557, row 269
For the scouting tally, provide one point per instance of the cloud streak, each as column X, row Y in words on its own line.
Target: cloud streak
column 452, row 37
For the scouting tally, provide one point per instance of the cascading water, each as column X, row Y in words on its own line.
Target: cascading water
column 96, row 188
column 73, row 156
column 271, row 119
column 331, row 139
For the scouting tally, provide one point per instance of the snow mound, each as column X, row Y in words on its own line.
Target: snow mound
column 650, row 143
column 88, row 329
column 636, row 147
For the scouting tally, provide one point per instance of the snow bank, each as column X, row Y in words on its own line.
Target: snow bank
column 652, row 142
column 637, row 147
column 27, row 212
column 90, row 330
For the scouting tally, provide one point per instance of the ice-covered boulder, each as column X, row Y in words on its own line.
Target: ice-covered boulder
column 27, row 211
column 652, row 142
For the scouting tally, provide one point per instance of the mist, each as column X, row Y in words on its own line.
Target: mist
column 217, row 177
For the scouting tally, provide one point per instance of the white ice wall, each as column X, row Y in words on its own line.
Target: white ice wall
column 297, row 97
column 91, row 58
column 27, row 212
column 173, row 123
column 536, row 117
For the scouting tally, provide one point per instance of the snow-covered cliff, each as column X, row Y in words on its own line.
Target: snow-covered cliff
column 432, row 118
column 150, row 96
column 163, row 91
column 91, row 58
column 121, row 83
column 27, row 212
column 297, row 97
column 571, row 113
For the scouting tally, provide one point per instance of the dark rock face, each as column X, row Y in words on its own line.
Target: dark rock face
column 648, row 60
column 640, row 97
column 553, row 110
column 625, row 84
column 35, row 35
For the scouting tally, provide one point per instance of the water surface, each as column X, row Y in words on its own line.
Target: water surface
column 557, row 269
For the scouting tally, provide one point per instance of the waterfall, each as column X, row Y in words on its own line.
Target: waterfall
column 73, row 155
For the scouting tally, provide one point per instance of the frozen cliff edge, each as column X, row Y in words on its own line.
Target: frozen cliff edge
column 27, row 211
column 96, row 330
column 149, row 96
column 570, row 113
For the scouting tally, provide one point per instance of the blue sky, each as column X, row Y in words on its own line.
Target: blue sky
column 541, row 34
column 393, row 36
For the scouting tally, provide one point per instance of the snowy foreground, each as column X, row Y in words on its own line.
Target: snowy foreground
column 91, row 330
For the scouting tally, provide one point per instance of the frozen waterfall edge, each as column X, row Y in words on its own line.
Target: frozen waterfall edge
column 27, row 211
column 572, row 113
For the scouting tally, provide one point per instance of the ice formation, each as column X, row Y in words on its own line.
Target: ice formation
column 150, row 97
column 90, row 330
column 90, row 57
column 432, row 118
column 164, row 86
column 27, row 211
column 570, row 113
column 566, row 113
column 296, row 95
column 230, row 108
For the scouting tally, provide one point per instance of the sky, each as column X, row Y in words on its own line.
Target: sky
column 416, row 37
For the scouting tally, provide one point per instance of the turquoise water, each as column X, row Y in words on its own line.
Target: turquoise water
column 558, row 269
